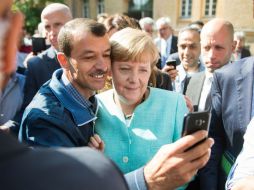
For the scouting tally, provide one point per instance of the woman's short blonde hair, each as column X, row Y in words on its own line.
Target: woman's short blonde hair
column 131, row 44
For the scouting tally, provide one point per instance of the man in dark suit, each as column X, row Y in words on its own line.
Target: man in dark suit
column 240, row 50
column 166, row 42
column 232, row 110
column 217, row 45
column 40, row 68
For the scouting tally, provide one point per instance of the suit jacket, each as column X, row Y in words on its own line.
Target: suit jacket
column 194, row 88
column 245, row 53
column 39, row 70
column 231, row 112
column 23, row 168
column 173, row 49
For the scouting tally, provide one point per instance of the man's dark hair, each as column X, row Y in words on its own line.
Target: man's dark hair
column 78, row 25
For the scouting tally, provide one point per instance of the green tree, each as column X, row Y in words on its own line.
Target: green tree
column 32, row 11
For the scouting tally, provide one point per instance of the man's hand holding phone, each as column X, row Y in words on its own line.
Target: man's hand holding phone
column 173, row 165
column 170, row 68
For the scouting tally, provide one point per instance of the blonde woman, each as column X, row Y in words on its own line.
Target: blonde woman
column 135, row 120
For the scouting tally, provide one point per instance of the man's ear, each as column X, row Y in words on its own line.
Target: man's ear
column 62, row 59
column 234, row 45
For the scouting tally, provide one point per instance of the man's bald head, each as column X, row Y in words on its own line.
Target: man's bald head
column 53, row 17
column 217, row 43
column 56, row 7
column 215, row 26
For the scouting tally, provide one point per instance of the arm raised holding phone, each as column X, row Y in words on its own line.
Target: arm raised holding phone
column 174, row 164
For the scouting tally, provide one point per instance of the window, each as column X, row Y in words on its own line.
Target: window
column 210, row 8
column 186, row 8
column 100, row 7
column 86, row 12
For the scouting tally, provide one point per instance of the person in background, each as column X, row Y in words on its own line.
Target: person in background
column 147, row 25
column 102, row 17
column 40, row 68
column 240, row 50
column 189, row 52
column 11, row 96
column 11, row 99
column 24, row 48
column 118, row 22
column 197, row 24
column 166, row 42
column 217, row 45
column 232, row 83
column 242, row 173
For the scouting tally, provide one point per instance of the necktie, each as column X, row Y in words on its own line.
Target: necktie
column 164, row 53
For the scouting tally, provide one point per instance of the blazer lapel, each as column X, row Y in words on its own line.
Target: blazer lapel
column 244, row 86
column 195, row 87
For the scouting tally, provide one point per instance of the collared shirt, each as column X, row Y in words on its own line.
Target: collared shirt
column 11, row 98
column 244, row 165
column 59, row 110
column 75, row 94
column 205, row 91
column 178, row 84
column 165, row 48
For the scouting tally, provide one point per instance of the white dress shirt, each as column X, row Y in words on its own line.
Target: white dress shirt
column 205, row 91
column 244, row 165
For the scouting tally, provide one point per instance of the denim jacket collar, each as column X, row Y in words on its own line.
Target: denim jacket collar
column 80, row 115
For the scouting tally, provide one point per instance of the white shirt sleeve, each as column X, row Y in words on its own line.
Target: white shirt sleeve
column 244, row 165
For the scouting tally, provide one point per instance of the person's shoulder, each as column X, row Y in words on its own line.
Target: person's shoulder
column 45, row 98
column 198, row 75
column 174, row 37
column 38, row 59
column 20, row 76
column 234, row 67
column 162, row 93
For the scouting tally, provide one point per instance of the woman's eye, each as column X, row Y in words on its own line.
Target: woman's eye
column 124, row 69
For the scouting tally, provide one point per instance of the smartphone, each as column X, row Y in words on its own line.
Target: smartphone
column 171, row 63
column 196, row 121
column 38, row 45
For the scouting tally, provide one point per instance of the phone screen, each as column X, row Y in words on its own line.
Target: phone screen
column 38, row 44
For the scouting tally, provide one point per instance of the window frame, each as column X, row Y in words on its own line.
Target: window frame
column 187, row 9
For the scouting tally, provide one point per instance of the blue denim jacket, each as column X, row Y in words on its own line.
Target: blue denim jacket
column 54, row 118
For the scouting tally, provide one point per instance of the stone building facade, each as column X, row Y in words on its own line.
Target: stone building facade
column 181, row 12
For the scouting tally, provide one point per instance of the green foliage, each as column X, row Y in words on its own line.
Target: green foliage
column 32, row 11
